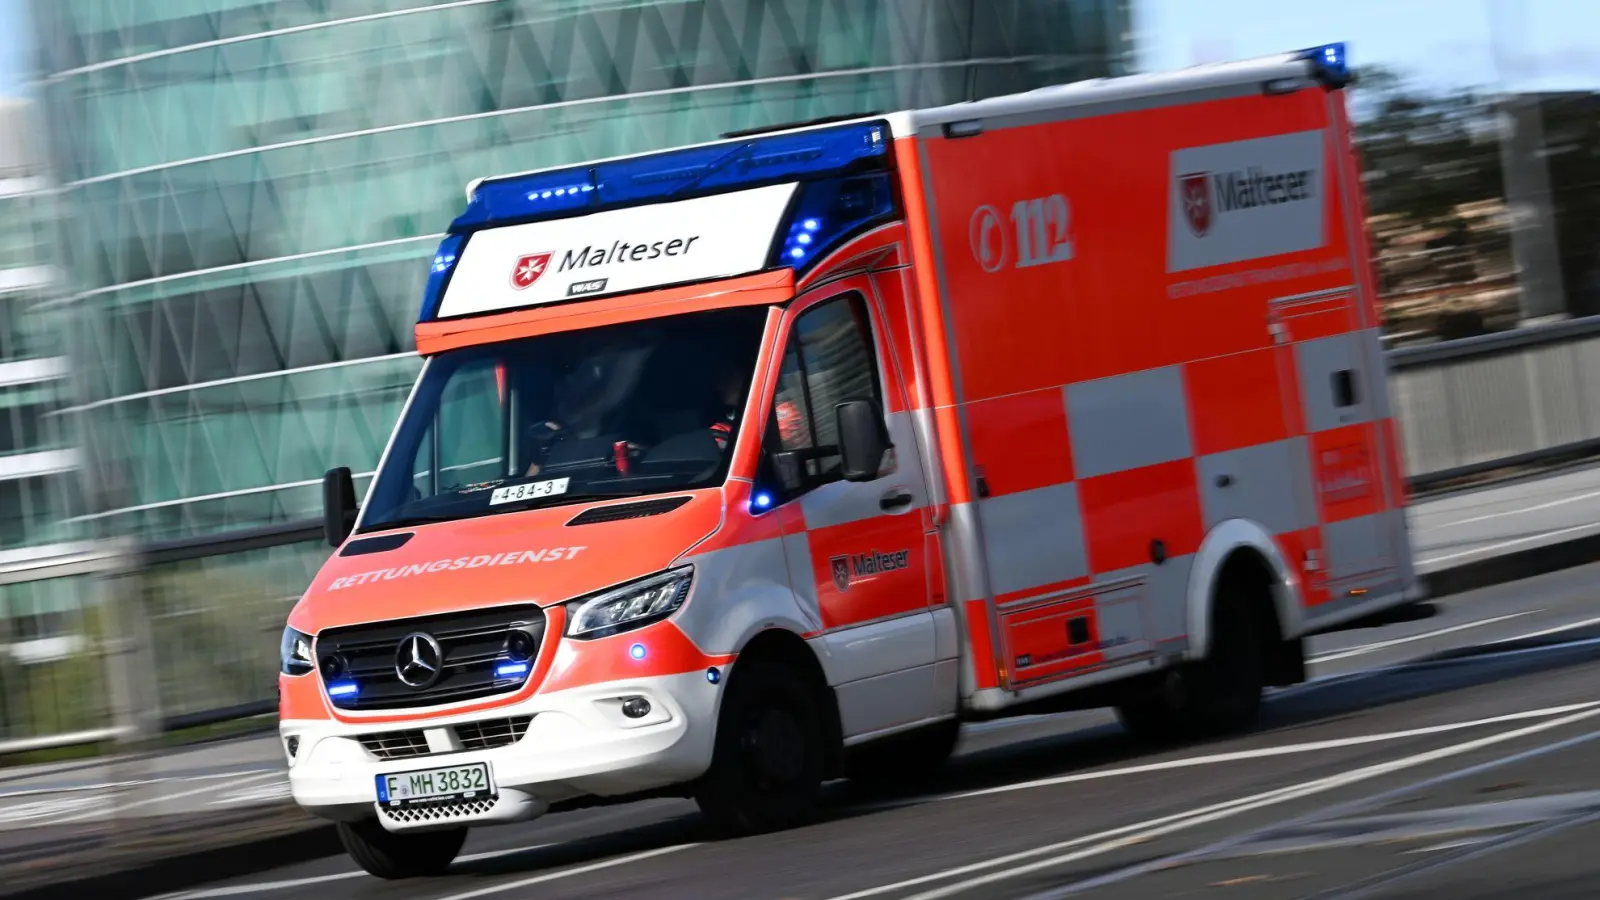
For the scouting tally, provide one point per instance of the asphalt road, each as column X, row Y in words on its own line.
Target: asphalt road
column 1470, row 525
column 1456, row 756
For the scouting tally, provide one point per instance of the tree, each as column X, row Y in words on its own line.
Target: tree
column 1426, row 153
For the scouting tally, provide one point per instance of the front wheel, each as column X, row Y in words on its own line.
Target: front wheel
column 767, row 765
column 392, row 856
column 904, row 759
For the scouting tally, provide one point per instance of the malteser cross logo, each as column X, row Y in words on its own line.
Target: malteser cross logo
column 529, row 269
column 1197, row 201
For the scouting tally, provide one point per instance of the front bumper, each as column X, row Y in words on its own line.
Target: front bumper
column 577, row 743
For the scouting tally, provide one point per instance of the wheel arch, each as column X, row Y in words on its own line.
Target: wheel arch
column 785, row 647
column 1234, row 543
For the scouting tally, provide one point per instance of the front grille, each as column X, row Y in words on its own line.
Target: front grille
column 491, row 733
column 395, row 744
column 484, row 735
column 471, row 644
column 440, row 812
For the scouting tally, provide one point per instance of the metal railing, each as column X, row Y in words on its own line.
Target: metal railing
column 1504, row 401
column 215, row 605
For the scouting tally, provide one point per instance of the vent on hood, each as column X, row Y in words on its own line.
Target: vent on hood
column 383, row 543
column 628, row 511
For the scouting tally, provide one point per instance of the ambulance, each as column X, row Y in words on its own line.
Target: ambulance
column 737, row 468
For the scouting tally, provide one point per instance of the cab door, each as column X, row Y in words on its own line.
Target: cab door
column 858, row 549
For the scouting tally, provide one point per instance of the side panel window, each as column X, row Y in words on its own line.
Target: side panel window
column 466, row 433
column 829, row 360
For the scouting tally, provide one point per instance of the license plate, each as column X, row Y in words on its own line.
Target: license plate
column 444, row 783
column 515, row 492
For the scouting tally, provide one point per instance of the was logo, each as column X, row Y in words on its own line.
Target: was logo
column 529, row 269
column 1197, row 207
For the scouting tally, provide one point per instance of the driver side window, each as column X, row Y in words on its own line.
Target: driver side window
column 829, row 359
column 463, row 444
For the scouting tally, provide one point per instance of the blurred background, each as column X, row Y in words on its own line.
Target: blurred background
column 216, row 217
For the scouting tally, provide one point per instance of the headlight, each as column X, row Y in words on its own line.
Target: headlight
column 630, row 606
column 294, row 653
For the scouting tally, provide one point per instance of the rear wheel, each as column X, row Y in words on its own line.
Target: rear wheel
column 1220, row 694
column 769, row 757
column 901, row 759
column 388, row 855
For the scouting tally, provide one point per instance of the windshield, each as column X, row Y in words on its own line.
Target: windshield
column 630, row 409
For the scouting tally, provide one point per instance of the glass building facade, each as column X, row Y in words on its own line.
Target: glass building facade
column 251, row 189
column 38, row 465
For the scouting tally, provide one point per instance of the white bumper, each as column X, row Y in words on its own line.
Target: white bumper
column 578, row 744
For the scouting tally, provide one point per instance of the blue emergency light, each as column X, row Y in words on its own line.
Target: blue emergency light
column 1330, row 63
column 843, row 171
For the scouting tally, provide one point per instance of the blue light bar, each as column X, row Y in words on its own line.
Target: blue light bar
column 829, row 212
column 343, row 689
column 1331, row 64
column 439, row 272
column 511, row 670
column 678, row 174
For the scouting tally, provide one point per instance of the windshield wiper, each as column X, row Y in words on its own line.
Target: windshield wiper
column 407, row 522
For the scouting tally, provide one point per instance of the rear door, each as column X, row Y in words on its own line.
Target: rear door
column 1342, row 402
column 865, row 559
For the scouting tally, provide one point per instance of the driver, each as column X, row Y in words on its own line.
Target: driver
column 730, row 390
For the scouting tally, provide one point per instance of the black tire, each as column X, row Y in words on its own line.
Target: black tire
column 769, row 757
column 395, row 856
column 904, row 758
column 1218, row 695
column 1225, row 689
column 1150, row 716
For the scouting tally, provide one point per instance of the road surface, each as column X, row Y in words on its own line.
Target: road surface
column 1455, row 756
column 1364, row 773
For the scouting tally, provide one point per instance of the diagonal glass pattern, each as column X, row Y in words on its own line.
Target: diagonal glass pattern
column 252, row 189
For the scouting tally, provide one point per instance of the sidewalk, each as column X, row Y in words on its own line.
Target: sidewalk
column 222, row 808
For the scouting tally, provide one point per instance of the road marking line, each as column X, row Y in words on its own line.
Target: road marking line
column 1264, row 752
column 1548, row 631
column 262, row 886
column 1327, row 814
column 1551, row 504
column 112, row 785
column 568, row 873
column 1584, row 710
column 1514, row 542
column 258, row 887
column 1142, row 832
column 163, row 798
column 1395, row 642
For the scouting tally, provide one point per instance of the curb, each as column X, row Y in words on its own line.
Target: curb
column 133, row 872
column 1514, row 566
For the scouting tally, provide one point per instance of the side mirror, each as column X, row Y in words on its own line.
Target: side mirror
column 338, row 505
column 863, row 439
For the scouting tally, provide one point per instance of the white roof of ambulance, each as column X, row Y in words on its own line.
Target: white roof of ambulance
column 1123, row 93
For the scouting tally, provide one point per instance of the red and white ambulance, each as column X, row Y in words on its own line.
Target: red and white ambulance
column 740, row 467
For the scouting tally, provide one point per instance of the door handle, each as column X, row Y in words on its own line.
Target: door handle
column 894, row 500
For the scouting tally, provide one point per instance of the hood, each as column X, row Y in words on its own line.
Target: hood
column 532, row 556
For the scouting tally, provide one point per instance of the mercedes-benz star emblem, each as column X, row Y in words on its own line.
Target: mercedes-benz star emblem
column 418, row 660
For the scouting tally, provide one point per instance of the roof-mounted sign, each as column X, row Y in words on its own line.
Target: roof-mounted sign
column 617, row 251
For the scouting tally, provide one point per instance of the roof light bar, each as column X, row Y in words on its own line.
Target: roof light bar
column 1330, row 63
column 677, row 174
column 439, row 272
